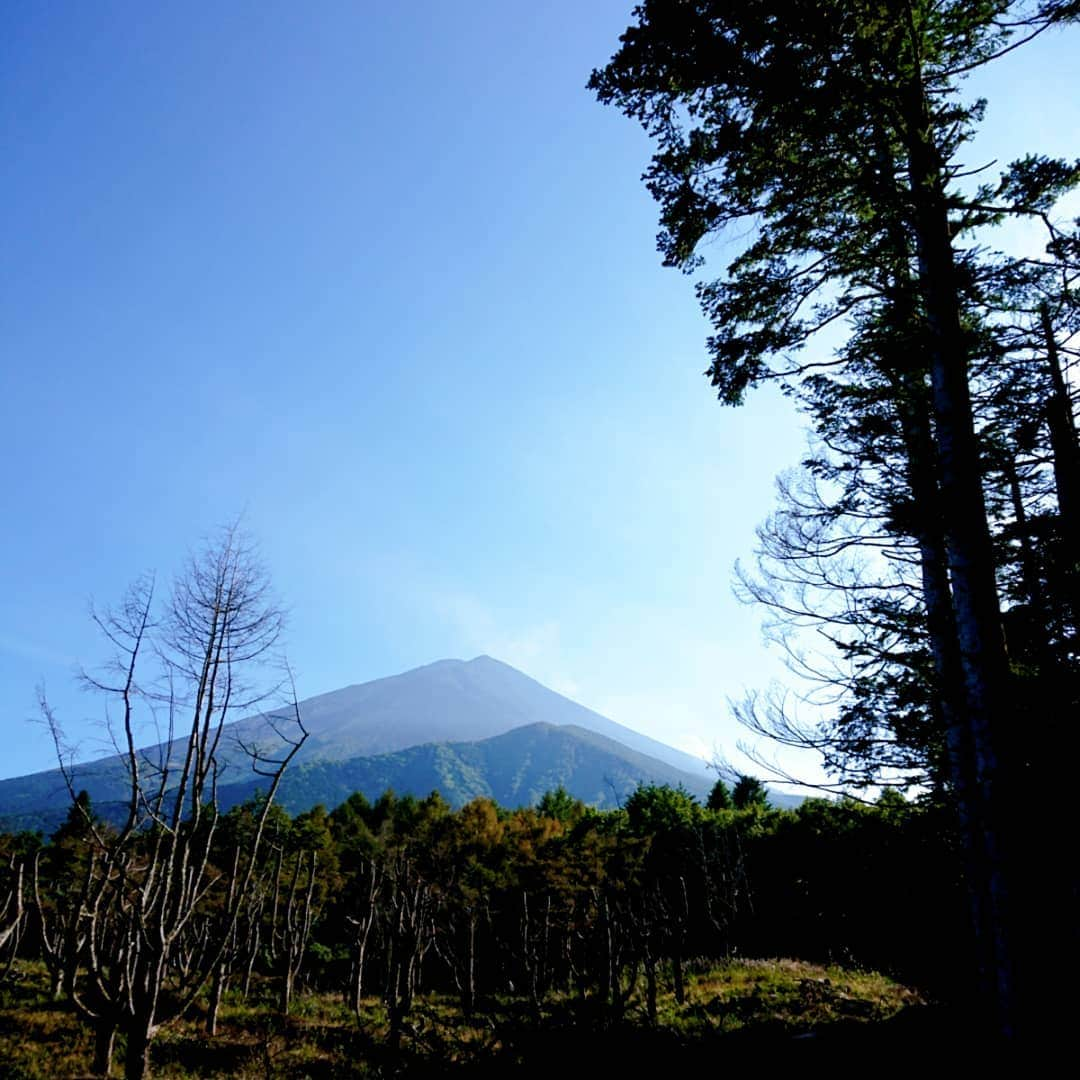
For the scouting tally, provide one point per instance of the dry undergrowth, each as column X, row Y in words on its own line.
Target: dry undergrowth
column 771, row 999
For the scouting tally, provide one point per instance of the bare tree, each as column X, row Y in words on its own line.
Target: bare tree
column 299, row 891
column 12, row 907
column 370, row 880
column 154, row 916
column 406, row 908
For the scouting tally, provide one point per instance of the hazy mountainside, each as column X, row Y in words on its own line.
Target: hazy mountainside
column 514, row 769
column 449, row 701
column 41, row 800
column 463, row 703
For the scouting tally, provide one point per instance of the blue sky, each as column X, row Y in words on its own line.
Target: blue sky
column 383, row 279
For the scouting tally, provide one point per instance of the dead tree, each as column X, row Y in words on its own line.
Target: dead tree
column 150, row 928
column 361, row 922
column 407, row 910
column 12, row 910
column 291, row 926
column 245, row 913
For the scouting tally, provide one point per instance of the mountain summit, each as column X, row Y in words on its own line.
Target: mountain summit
column 449, row 701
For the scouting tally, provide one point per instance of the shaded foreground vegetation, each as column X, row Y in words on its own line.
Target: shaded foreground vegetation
column 793, row 1010
column 406, row 936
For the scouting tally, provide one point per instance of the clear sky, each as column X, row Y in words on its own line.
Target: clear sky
column 383, row 278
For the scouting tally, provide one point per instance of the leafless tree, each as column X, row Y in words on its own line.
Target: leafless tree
column 298, row 899
column 361, row 924
column 406, row 909
column 12, row 909
column 153, row 915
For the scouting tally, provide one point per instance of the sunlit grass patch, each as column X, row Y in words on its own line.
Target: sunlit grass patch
column 795, row 995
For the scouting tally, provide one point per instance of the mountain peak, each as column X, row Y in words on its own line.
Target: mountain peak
column 485, row 661
column 450, row 701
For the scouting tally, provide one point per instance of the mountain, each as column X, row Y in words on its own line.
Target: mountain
column 449, row 714
column 448, row 701
column 514, row 769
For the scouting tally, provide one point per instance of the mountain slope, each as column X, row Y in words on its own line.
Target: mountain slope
column 448, row 702
column 514, row 769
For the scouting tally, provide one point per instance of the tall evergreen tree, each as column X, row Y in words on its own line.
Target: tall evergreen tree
column 832, row 130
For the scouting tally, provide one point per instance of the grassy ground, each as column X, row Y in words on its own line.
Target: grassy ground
column 790, row 1010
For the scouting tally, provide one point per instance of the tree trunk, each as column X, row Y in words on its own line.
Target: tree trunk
column 360, row 940
column 285, row 999
column 216, row 989
column 398, row 1003
column 976, row 610
column 544, row 964
column 468, row 997
column 361, row 955
column 252, row 954
column 650, row 985
column 913, row 411
column 677, row 974
column 104, row 1041
column 137, row 1055
column 609, row 991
